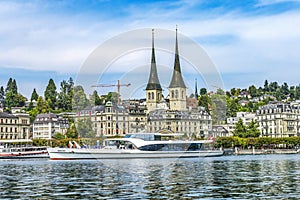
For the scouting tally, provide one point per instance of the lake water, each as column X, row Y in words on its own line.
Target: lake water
column 228, row 177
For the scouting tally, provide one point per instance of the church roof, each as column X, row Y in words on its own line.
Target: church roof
column 177, row 80
column 153, row 82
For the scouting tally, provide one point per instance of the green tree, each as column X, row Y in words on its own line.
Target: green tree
column 253, row 91
column 12, row 86
column 205, row 101
column 79, row 100
column 285, row 89
column 219, row 108
column 232, row 107
column 240, row 129
column 50, row 94
column 112, row 96
column 12, row 97
column 34, row 95
column 2, row 96
column 72, row 131
column 95, row 99
column 58, row 136
column 252, row 129
column 85, row 128
column 64, row 98
column 266, row 86
column 203, row 91
column 297, row 92
column 42, row 105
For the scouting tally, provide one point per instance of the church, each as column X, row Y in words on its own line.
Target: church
column 171, row 115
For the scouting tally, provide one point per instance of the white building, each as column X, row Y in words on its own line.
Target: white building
column 14, row 126
column 279, row 119
column 46, row 125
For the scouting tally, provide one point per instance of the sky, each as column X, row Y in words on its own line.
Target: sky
column 248, row 41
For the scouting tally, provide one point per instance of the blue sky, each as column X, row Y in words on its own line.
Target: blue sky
column 248, row 40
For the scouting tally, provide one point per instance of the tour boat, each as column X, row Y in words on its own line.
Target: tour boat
column 137, row 145
column 9, row 150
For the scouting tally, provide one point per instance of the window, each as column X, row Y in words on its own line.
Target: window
column 176, row 94
column 172, row 92
column 152, row 95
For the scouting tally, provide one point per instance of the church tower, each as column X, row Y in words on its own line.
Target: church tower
column 177, row 88
column 153, row 89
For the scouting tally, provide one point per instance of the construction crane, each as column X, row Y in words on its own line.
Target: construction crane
column 114, row 85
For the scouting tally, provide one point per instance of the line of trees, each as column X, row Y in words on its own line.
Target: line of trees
column 258, row 142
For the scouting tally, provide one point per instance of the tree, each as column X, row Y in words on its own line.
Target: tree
column 252, row 129
column 12, row 97
column 232, row 107
column 79, row 100
column 253, row 91
column 50, row 94
column 266, row 86
column 2, row 96
column 112, row 96
column 205, row 101
column 72, row 131
column 240, row 129
column 218, row 102
column 285, row 89
column 42, row 105
column 34, row 95
column 85, row 128
column 203, row 91
column 95, row 99
column 64, row 98
column 58, row 136
column 297, row 92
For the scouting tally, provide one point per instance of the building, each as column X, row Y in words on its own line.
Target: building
column 174, row 114
column 14, row 126
column 220, row 131
column 46, row 125
column 279, row 119
column 108, row 120
column 153, row 88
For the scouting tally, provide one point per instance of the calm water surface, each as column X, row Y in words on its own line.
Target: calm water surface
column 228, row 177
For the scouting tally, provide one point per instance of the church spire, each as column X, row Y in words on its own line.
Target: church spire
column 177, row 80
column 196, row 90
column 153, row 82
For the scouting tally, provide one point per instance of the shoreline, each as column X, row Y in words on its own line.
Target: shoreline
column 259, row 151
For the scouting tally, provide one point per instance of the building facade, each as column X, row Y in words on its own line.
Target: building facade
column 46, row 125
column 14, row 126
column 279, row 119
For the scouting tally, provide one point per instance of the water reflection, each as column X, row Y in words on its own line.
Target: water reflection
column 241, row 177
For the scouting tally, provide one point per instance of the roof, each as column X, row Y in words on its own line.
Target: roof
column 7, row 115
column 153, row 82
column 177, row 80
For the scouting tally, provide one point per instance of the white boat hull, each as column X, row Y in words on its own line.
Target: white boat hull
column 77, row 154
column 24, row 155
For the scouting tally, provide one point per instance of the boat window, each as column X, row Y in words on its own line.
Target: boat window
column 172, row 147
column 152, row 147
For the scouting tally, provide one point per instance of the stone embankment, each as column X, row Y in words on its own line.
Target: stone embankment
column 253, row 151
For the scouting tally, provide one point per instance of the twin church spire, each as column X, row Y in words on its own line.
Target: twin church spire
column 177, row 88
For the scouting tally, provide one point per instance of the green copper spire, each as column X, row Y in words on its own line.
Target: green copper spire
column 153, row 82
column 177, row 80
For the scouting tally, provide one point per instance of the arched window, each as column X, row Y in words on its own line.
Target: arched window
column 176, row 94
column 152, row 95
column 172, row 92
column 149, row 95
